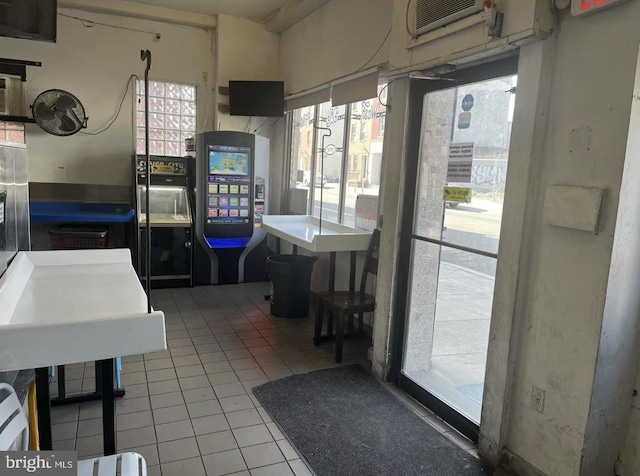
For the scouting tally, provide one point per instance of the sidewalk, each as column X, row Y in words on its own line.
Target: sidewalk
column 461, row 337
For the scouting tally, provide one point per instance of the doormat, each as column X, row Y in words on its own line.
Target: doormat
column 345, row 423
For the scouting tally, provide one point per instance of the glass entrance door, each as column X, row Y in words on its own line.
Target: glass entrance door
column 450, row 241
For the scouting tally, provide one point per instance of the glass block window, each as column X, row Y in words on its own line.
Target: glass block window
column 12, row 132
column 172, row 117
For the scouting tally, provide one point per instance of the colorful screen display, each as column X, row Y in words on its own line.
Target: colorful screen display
column 229, row 162
column 229, row 185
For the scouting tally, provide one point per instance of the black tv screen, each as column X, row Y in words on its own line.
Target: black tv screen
column 29, row 19
column 256, row 98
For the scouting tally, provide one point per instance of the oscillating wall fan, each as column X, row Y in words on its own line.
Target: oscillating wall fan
column 59, row 113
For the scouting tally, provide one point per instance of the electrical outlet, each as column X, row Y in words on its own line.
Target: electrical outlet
column 537, row 399
column 205, row 76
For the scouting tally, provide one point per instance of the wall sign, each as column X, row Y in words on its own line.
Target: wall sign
column 464, row 120
column 457, row 195
column 467, row 103
column 582, row 7
column 460, row 162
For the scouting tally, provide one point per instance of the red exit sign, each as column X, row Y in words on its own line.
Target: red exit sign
column 582, row 7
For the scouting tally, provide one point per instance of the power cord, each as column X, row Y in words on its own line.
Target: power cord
column 90, row 24
column 385, row 87
column 115, row 118
column 377, row 51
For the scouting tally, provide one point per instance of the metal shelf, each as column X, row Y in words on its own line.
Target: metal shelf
column 24, row 119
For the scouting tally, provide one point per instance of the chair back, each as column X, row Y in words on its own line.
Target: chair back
column 371, row 261
column 13, row 422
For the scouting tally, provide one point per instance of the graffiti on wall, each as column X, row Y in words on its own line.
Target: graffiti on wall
column 489, row 175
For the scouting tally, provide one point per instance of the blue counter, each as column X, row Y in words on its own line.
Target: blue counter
column 71, row 212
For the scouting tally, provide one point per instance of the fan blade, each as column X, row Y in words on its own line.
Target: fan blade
column 65, row 102
column 67, row 124
column 44, row 112
column 74, row 116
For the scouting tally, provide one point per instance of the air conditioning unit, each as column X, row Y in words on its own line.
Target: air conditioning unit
column 12, row 98
column 432, row 14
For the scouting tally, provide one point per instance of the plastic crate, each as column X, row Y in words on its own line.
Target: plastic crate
column 79, row 238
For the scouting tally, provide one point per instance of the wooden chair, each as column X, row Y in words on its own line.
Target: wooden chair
column 345, row 304
column 15, row 427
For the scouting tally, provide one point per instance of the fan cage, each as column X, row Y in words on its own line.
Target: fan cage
column 45, row 124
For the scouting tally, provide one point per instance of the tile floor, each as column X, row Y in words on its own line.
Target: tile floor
column 189, row 410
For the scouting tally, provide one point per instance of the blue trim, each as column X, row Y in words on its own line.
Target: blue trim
column 222, row 243
column 74, row 212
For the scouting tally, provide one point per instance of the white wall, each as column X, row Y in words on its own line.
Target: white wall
column 94, row 64
column 619, row 350
column 335, row 41
column 247, row 51
column 630, row 457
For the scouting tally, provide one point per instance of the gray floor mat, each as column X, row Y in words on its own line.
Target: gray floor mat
column 344, row 422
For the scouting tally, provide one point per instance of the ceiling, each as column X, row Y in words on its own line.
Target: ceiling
column 256, row 9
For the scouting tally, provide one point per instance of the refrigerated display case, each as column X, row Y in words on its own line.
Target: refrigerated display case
column 171, row 220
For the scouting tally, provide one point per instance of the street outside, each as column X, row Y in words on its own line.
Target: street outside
column 331, row 199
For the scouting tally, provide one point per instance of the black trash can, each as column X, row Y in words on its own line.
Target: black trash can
column 290, row 277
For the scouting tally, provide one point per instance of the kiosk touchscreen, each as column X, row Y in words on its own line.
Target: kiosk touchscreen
column 232, row 171
column 229, row 196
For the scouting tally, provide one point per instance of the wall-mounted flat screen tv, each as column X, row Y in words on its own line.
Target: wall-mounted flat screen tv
column 256, row 98
column 29, row 19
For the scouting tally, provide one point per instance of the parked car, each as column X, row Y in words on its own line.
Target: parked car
column 320, row 180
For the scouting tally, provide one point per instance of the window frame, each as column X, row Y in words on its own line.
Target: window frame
column 350, row 127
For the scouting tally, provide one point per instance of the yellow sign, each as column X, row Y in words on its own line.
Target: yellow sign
column 457, row 194
column 161, row 169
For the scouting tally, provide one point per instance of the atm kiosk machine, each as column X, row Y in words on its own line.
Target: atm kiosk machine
column 232, row 177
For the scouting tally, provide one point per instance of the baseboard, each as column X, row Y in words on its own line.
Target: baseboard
column 519, row 466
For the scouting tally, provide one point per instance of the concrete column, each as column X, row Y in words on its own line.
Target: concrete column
column 395, row 135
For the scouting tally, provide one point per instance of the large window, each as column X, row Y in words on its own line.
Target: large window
column 363, row 178
column 302, row 150
column 172, row 117
column 330, row 134
column 348, row 166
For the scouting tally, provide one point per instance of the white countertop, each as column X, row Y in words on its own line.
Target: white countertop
column 62, row 307
column 305, row 231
